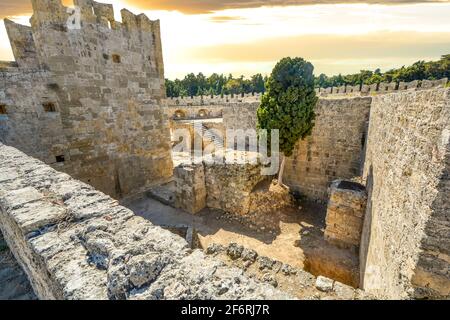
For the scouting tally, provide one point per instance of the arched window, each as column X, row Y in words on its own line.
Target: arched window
column 179, row 114
column 203, row 113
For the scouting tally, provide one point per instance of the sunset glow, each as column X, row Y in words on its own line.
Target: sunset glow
column 333, row 36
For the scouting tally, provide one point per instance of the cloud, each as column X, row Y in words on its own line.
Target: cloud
column 330, row 54
column 208, row 6
column 11, row 8
column 23, row 7
column 221, row 19
column 375, row 45
column 15, row 8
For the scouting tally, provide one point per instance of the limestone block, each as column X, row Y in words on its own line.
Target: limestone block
column 412, row 85
column 402, row 85
column 392, row 86
column 229, row 185
column 324, row 284
column 190, row 188
column 345, row 213
column 36, row 215
column 383, row 87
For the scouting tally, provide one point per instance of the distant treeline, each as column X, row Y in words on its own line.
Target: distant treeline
column 195, row 85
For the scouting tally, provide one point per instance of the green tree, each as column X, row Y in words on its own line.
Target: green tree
column 288, row 104
column 190, row 83
column 233, row 86
column 321, row 81
column 257, row 83
column 170, row 88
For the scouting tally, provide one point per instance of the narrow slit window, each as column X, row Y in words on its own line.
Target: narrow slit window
column 49, row 107
column 116, row 58
column 2, row 109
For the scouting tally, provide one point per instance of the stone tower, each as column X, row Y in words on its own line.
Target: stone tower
column 86, row 95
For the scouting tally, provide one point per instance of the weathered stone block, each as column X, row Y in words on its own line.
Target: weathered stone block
column 229, row 185
column 345, row 213
column 190, row 188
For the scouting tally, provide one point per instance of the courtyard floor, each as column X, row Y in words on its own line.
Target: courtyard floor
column 295, row 237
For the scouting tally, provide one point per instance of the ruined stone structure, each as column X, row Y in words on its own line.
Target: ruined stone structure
column 335, row 149
column 398, row 142
column 69, row 103
column 345, row 213
column 77, row 243
column 230, row 187
column 89, row 101
column 190, row 188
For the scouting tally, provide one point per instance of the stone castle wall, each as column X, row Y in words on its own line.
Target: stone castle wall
column 240, row 116
column 236, row 115
column 405, row 242
column 213, row 100
column 335, row 149
column 381, row 88
column 74, row 242
column 94, row 106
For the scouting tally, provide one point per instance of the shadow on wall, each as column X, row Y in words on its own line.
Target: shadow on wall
column 367, row 226
column 431, row 277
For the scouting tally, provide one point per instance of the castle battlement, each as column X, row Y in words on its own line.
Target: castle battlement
column 383, row 87
column 359, row 90
column 84, row 94
column 213, row 100
column 53, row 12
column 88, row 31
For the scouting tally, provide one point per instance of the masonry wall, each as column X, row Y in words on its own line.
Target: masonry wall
column 240, row 115
column 405, row 242
column 334, row 150
column 26, row 124
column 74, row 242
column 106, row 83
column 236, row 115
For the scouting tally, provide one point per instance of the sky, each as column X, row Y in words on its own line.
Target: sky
column 244, row 37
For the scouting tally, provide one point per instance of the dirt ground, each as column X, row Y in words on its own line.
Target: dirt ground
column 293, row 236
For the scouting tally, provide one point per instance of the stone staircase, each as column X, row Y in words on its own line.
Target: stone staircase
column 208, row 136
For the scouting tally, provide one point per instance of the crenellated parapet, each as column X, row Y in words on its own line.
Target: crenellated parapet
column 57, row 30
column 213, row 100
column 22, row 44
column 383, row 87
column 358, row 90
